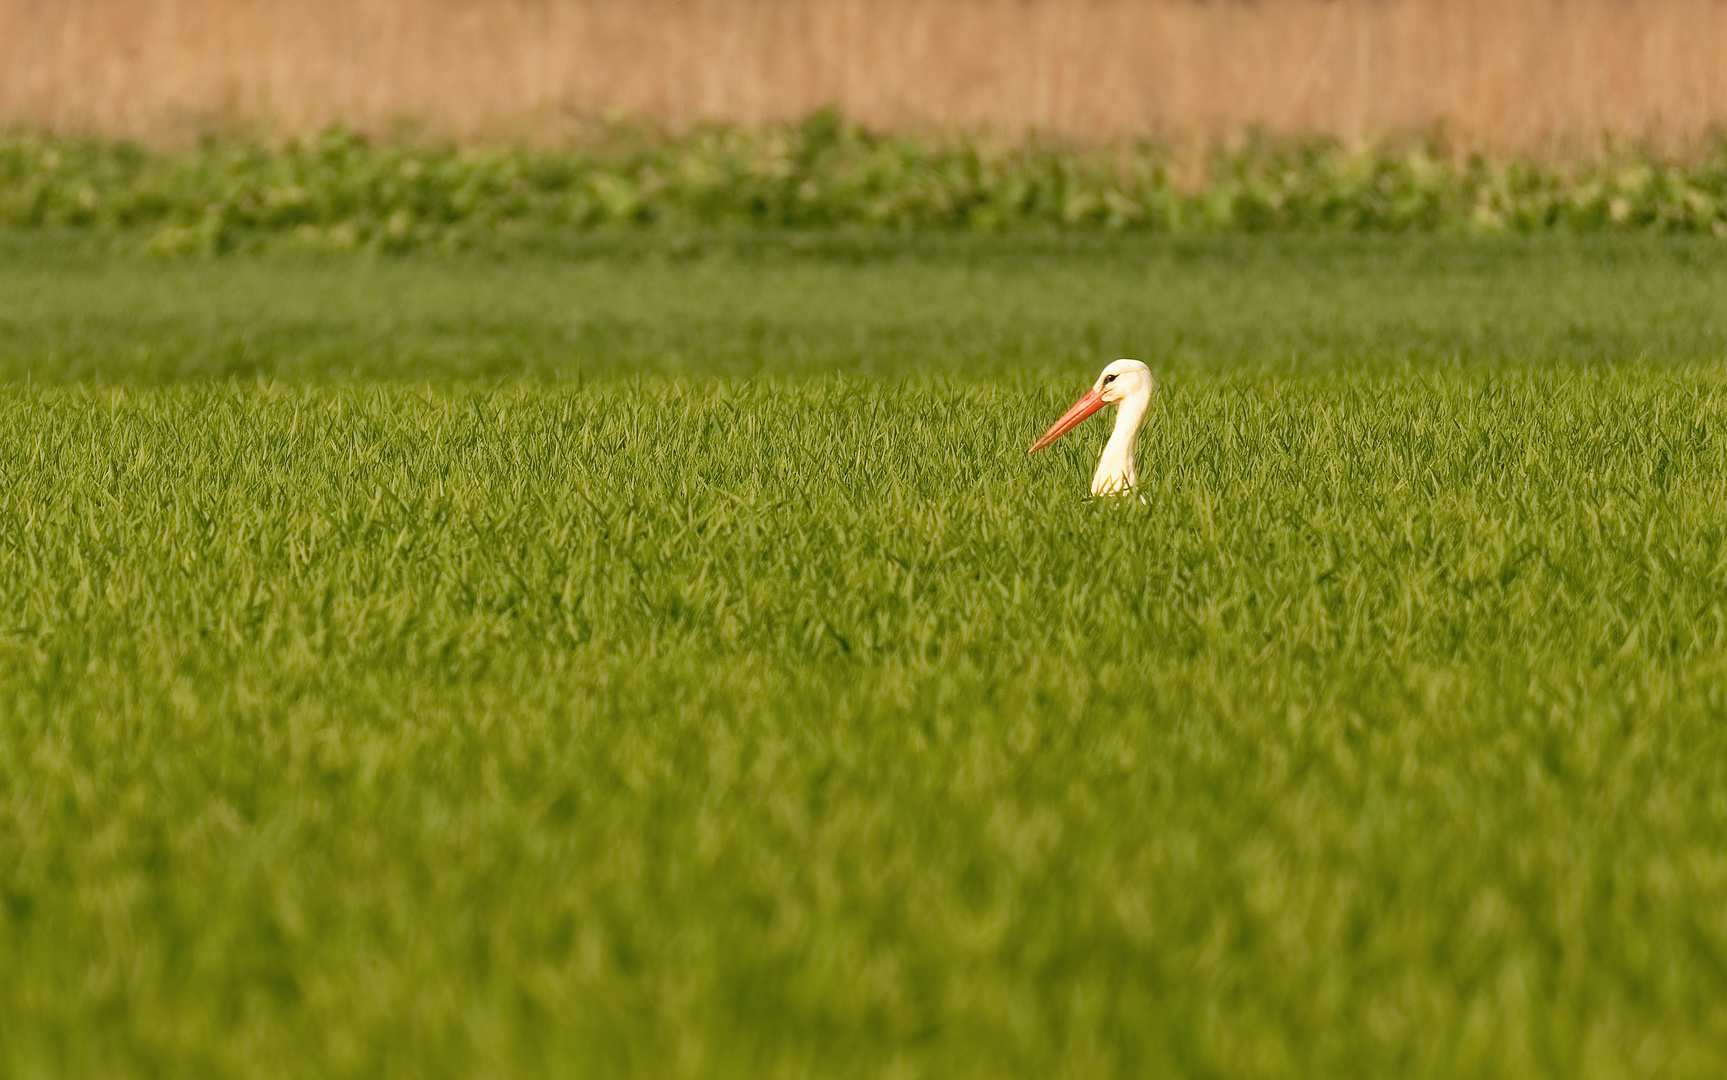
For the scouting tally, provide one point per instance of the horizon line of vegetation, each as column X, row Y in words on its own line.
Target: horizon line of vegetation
column 341, row 190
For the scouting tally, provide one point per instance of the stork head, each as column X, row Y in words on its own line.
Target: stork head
column 1123, row 380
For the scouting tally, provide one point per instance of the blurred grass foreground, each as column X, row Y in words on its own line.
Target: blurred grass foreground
column 549, row 666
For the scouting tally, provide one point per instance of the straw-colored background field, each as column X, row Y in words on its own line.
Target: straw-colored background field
column 1504, row 74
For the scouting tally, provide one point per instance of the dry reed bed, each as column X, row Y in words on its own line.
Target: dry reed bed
column 1493, row 74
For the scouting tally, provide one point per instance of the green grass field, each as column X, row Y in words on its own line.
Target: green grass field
column 650, row 660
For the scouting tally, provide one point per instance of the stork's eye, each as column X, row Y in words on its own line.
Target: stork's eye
column 1107, row 379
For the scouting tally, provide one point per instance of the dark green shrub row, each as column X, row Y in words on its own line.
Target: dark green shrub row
column 340, row 189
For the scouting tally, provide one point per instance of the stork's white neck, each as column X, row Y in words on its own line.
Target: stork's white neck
column 1115, row 472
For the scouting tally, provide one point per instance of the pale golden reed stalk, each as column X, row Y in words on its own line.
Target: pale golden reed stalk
column 1498, row 74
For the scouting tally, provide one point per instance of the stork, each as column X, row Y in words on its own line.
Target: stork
column 1128, row 385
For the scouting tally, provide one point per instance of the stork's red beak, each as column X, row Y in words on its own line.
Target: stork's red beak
column 1084, row 407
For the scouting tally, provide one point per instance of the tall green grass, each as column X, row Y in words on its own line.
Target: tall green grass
column 727, row 694
column 340, row 191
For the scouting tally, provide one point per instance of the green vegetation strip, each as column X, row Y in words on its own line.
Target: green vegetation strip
column 339, row 190
column 430, row 686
